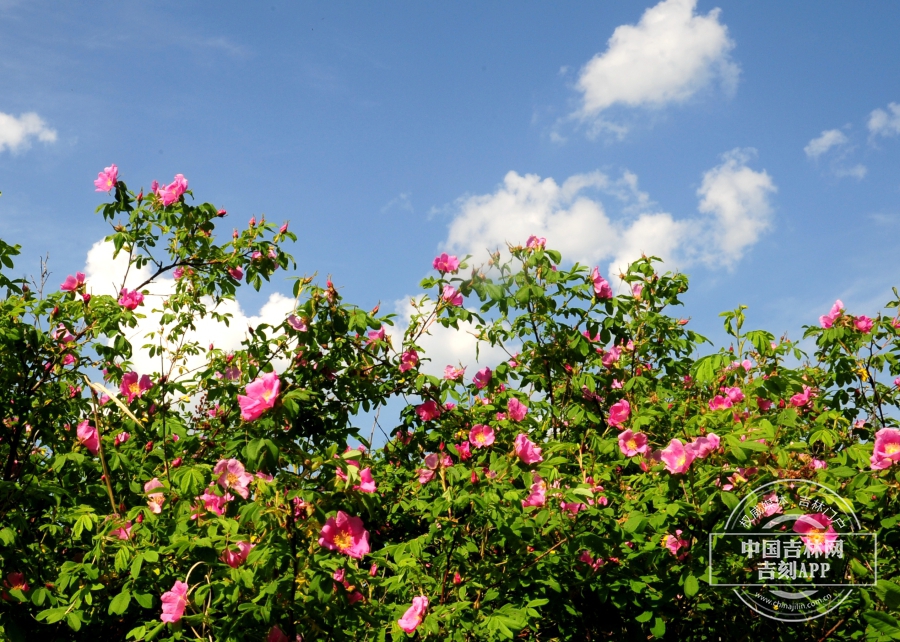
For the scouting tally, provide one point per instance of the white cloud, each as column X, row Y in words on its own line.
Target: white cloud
column 734, row 200
column 858, row 171
column 670, row 55
column 885, row 123
column 17, row 133
column 829, row 139
column 104, row 276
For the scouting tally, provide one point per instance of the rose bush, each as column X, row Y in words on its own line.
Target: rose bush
column 564, row 493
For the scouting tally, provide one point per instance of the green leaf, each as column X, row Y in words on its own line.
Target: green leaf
column 644, row 617
column 659, row 628
column 691, row 586
column 889, row 593
column 883, row 622
column 136, row 566
column 120, row 603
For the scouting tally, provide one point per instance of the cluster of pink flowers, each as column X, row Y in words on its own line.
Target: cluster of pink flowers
column 732, row 396
column 130, row 300
column 261, row 396
column 346, row 534
column 602, row 288
column 887, row 448
column 678, row 456
column 588, row 559
column 526, row 450
column 446, row 263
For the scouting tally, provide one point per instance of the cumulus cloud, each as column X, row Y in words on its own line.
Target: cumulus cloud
column 885, row 123
column 104, row 275
column 670, row 55
column 17, row 133
column 734, row 211
column 829, row 139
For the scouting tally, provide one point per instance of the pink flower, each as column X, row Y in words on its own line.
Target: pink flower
column 720, row 403
column 15, row 580
column 675, row 543
column 375, row 335
column 425, row 475
column 611, row 357
column 863, row 324
column 463, row 449
column 261, row 395
column 453, row 374
column 827, row 320
column 619, row 413
column 676, row 457
column 154, row 500
column 764, row 405
column 232, row 475
column 445, row 263
column 526, row 450
column 283, row 229
column 735, row 394
column 572, row 507
column 130, row 300
column 538, row 494
column 409, row 360
column 72, row 283
column 636, row 290
column 817, row 464
column 536, row 242
column 616, row 384
column 704, row 446
column 428, row 410
column 517, row 410
column 236, row 558
column 131, row 387
column 368, row 483
column 345, row 534
column 297, row 323
column 887, row 448
column 632, row 444
column 601, row 286
column 172, row 192
column 174, row 602
column 106, row 180
column 213, row 503
column 451, row 295
column 178, row 273
column 481, row 436
column 121, row 438
column 816, row 532
column 482, row 378
column 123, row 532
column 802, row 398
column 237, row 273
column 277, row 635
column 414, row 614
column 88, row 437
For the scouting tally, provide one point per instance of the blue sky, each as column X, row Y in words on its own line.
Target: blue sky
column 753, row 144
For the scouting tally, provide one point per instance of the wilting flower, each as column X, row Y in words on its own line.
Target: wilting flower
column 212, row 502
column 130, row 300
column 764, row 405
column 735, row 394
column 368, row 482
column 297, row 323
column 481, row 436
column 452, row 374
column 482, row 378
column 174, row 602
column 601, row 286
column 632, row 443
column 409, row 360
column 428, row 410
column 536, row 242
column 261, row 395
column 232, row 475
column 676, row 457
column 425, row 475
column 516, row 409
column 236, row 558
column 173, row 191
column 463, row 449
column 414, row 614
column 816, row 532
column 445, row 263
column 887, row 448
column 132, row 387
column 571, row 508
column 72, row 283
column 538, row 493
column 123, row 532
column 720, row 403
column 154, row 500
column 106, row 180
column 15, row 580
column 88, row 436
column 675, row 543
column 451, row 295
column 827, row 320
column 121, row 438
column 619, row 413
column 863, row 324
column 345, row 534
column 277, row 635
column 526, row 450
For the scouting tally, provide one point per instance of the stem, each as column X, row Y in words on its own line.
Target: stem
column 109, row 490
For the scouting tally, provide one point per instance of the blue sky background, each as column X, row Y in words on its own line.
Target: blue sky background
column 368, row 125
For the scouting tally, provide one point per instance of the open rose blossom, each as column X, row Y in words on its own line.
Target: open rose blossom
column 536, row 242
column 232, row 475
column 367, row 484
column 428, row 410
column 72, row 283
column 130, row 300
column 154, row 500
column 345, row 534
column 88, row 437
column 277, row 635
column 516, row 409
column 827, row 320
column 132, row 387
column 802, row 398
column 863, row 324
column 482, row 378
column 212, row 502
column 677, row 457
column 445, row 263
column 632, row 443
column 526, row 450
column 887, row 449
column 123, row 532
column 409, row 360
column 261, row 395
column 817, row 533
column 481, row 436
column 465, row 454
column 173, row 191
column 236, row 558
column 174, row 602
column 619, row 413
column 453, row 374
column 15, row 580
column 414, row 614
column 601, row 285
column 675, row 543
column 538, row 493
column 452, row 296
column 703, row 446
column 720, row 403
column 106, row 180
column 298, row 323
